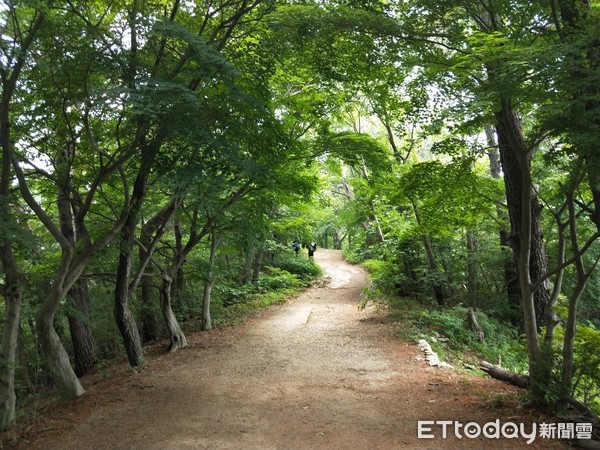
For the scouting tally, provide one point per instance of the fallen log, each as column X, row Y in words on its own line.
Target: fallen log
column 499, row 373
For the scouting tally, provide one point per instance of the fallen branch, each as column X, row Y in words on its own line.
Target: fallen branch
column 504, row 375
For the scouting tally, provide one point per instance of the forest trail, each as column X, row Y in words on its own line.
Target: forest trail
column 314, row 373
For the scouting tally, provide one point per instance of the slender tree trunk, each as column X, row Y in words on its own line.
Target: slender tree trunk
column 147, row 316
column 373, row 215
column 472, row 285
column 250, row 253
column 22, row 358
column 179, row 280
column 569, row 338
column 570, row 326
column 13, row 279
column 13, row 286
column 208, row 284
column 257, row 265
column 438, row 287
column 378, row 231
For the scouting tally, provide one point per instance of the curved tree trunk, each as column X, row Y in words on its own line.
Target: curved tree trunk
column 64, row 377
column 176, row 336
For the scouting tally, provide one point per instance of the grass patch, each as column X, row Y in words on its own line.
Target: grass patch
column 284, row 277
column 448, row 333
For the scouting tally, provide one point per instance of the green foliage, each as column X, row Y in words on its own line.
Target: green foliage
column 276, row 279
column 448, row 195
column 586, row 364
column 383, row 281
column 304, row 268
column 356, row 149
column 451, row 333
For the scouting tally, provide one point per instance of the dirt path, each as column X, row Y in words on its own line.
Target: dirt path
column 314, row 373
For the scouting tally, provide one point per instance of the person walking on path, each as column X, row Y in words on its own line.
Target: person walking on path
column 311, row 249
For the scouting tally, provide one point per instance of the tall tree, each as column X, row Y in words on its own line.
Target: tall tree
column 21, row 24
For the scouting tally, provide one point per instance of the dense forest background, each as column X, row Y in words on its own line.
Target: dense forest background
column 160, row 157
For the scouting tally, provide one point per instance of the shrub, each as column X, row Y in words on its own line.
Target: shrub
column 586, row 364
column 501, row 340
column 304, row 268
column 276, row 279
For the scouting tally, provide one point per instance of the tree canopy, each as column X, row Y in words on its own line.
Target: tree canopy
column 153, row 150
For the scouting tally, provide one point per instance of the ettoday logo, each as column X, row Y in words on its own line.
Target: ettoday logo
column 430, row 429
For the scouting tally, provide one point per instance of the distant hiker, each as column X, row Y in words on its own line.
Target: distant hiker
column 296, row 246
column 311, row 249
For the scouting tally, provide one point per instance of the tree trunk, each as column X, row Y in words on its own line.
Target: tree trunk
column 84, row 345
column 208, row 284
column 438, row 288
column 13, row 279
column 82, row 338
column 176, row 336
column 13, row 283
column 511, row 277
column 526, row 240
column 22, row 358
column 123, row 315
column 570, row 326
column 575, row 16
column 505, row 375
column 474, row 325
column 257, row 265
column 147, row 316
column 13, row 286
column 472, row 267
column 57, row 358
column 179, row 280
column 250, row 253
